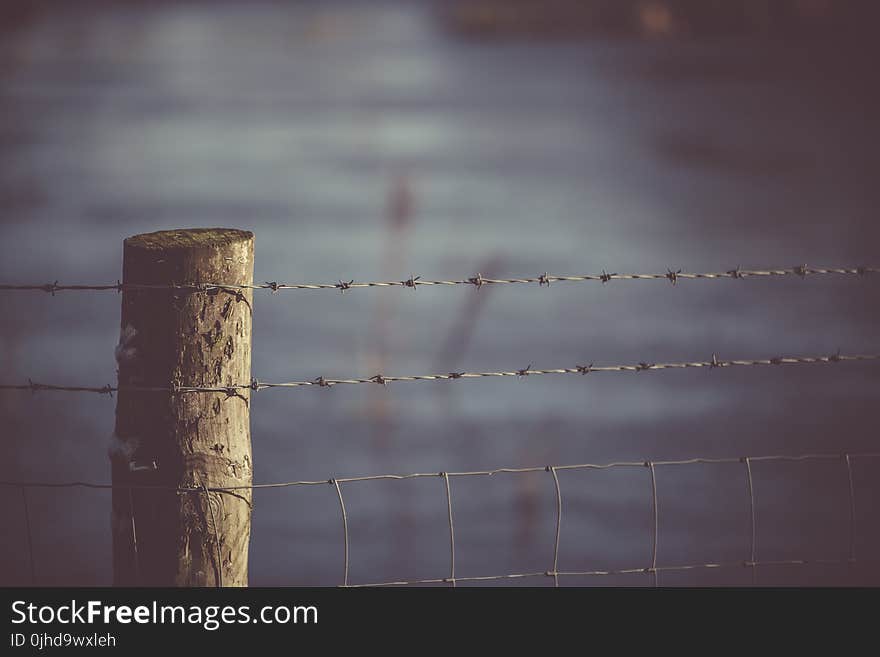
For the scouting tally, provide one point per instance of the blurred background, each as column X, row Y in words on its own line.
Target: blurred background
column 379, row 140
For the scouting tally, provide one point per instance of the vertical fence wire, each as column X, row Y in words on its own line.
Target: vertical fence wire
column 451, row 530
column 852, row 510
column 558, row 526
column 344, row 530
column 653, row 568
column 27, row 531
column 752, row 562
column 134, row 540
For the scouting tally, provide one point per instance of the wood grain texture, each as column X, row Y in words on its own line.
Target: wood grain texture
column 183, row 338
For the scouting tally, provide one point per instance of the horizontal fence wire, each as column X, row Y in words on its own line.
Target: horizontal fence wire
column 545, row 279
column 381, row 379
column 652, row 569
column 622, row 571
column 464, row 473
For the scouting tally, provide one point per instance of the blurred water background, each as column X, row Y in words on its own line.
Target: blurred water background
column 388, row 139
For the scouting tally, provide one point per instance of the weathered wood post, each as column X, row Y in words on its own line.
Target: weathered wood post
column 173, row 338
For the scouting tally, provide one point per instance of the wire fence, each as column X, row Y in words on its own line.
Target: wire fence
column 477, row 281
column 554, row 570
column 381, row 379
column 651, row 569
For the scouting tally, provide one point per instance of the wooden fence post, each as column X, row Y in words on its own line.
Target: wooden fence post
column 183, row 337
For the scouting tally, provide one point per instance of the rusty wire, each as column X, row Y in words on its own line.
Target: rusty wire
column 542, row 280
column 381, row 379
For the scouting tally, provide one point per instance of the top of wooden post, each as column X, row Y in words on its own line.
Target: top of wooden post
column 191, row 238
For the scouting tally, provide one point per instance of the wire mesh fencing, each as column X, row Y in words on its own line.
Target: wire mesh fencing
column 652, row 569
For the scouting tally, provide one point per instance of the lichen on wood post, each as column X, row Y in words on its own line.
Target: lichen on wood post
column 174, row 338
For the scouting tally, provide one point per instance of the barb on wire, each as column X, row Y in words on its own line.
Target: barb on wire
column 672, row 275
column 382, row 379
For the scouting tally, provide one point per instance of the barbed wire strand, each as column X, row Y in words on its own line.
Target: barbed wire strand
column 256, row 385
column 477, row 281
column 451, row 530
column 552, row 471
column 335, row 482
column 752, row 513
column 29, row 538
column 656, row 528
